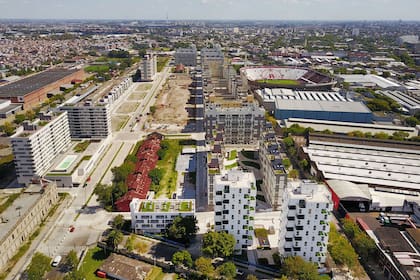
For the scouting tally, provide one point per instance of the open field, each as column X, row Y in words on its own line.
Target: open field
column 118, row 121
column 280, row 82
column 128, row 107
column 137, row 96
column 92, row 261
column 167, row 164
column 144, row 87
column 171, row 103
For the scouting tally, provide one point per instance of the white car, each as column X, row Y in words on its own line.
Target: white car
column 239, row 272
column 56, row 261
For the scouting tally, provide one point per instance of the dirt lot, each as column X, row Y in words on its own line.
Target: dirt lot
column 171, row 114
column 128, row 107
column 117, row 122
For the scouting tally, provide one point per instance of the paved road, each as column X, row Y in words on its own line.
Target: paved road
column 91, row 221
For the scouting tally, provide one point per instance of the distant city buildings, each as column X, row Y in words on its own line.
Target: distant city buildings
column 36, row 145
column 235, row 203
column 305, row 222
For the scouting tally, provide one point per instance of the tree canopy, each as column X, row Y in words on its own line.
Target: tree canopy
column 40, row 264
column 114, row 238
column 204, row 266
column 182, row 257
column 227, row 270
column 218, row 244
column 297, row 268
column 182, row 229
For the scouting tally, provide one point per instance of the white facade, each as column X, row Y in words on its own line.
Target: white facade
column 234, row 196
column 155, row 215
column 148, row 67
column 186, row 56
column 36, row 147
column 305, row 222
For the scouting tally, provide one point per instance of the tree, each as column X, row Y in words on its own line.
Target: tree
column 297, row 268
column 182, row 229
column 227, row 270
column 72, row 260
column 19, row 118
column 129, row 245
column 218, row 244
column 39, row 265
column 286, row 162
column 152, row 109
column 114, row 238
column 288, row 141
column 204, row 265
column 412, row 121
column 8, row 128
column 119, row 221
column 381, row 135
column 400, row 135
column 251, row 277
column 293, row 174
column 182, row 257
column 156, row 175
column 304, row 164
column 340, row 249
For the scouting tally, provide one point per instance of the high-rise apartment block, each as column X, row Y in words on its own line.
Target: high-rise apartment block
column 239, row 124
column 186, row 56
column 235, row 201
column 148, row 67
column 36, row 145
column 305, row 222
column 272, row 169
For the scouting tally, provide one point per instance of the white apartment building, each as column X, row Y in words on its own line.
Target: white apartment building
column 235, row 202
column 239, row 125
column 272, row 169
column 148, row 67
column 305, row 222
column 36, row 145
column 155, row 215
column 88, row 120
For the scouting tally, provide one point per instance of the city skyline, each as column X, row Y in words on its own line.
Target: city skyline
column 213, row 10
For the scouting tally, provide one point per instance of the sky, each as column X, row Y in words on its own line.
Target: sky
column 212, row 9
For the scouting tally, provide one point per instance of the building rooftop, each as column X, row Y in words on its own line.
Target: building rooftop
column 34, row 82
column 29, row 128
column 317, row 105
column 170, row 206
column 236, row 178
column 12, row 215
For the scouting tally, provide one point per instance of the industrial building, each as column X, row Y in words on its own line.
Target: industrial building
column 235, row 201
column 155, row 216
column 186, row 56
column 272, row 169
column 410, row 104
column 35, row 145
column 33, row 90
column 23, row 217
column 347, row 127
column 369, row 81
column 385, row 163
column 241, row 124
column 7, row 108
column 305, row 222
column 148, row 67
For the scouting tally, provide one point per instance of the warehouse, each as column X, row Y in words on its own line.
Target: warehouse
column 342, row 111
column 33, row 90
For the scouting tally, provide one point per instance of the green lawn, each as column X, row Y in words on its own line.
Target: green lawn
column 251, row 164
column 167, row 184
column 233, row 154
column 279, row 82
column 231, row 166
column 161, row 62
column 155, row 274
column 185, row 206
column 81, row 147
column 97, row 68
column 92, row 261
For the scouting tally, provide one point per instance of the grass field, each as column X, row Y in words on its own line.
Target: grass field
column 279, row 82
column 128, row 107
column 118, row 121
column 97, row 68
column 161, row 62
column 92, row 261
column 168, row 181
column 137, row 96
